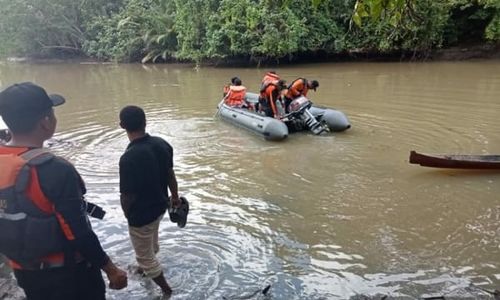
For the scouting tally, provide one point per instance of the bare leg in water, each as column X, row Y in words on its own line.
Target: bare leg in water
column 162, row 283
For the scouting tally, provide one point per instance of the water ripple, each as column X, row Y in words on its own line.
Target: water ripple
column 332, row 217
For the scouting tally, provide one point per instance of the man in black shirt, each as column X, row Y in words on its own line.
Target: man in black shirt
column 54, row 192
column 146, row 175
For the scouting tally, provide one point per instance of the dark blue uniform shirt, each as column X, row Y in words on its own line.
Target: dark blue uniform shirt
column 64, row 187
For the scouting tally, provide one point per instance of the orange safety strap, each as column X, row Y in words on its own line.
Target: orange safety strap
column 35, row 194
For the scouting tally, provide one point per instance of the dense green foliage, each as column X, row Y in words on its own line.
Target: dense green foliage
column 38, row 27
column 401, row 24
column 197, row 30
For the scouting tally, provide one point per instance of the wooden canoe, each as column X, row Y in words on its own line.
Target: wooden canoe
column 456, row 161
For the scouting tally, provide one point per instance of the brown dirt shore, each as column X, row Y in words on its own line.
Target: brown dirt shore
column 488, row 51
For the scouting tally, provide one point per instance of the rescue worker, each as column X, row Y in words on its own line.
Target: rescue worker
column 270, row 98
column 44, row 230
column 227, row 86
column 269, row 77
column 299, row 87
column 235, row 96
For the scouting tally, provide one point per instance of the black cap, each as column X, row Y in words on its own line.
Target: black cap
column 27, row 98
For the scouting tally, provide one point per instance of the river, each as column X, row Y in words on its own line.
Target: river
column 331, row 217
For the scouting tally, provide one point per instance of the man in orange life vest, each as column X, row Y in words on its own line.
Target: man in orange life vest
column 235, row 95
column 44, row 229
column 270, row 76
column 270, row 91
column 299, row 87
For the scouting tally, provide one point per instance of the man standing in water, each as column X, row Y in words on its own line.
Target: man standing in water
column 44, row 229
column 146, row 174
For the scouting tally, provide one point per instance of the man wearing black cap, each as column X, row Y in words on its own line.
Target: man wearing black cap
column 146, row 175
column 60, row 257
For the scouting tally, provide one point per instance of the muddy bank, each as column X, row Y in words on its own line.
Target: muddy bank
column 465, row 52
column 456, row 53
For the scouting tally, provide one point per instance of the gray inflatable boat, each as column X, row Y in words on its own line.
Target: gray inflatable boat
column 273, row 129
column 269, row 128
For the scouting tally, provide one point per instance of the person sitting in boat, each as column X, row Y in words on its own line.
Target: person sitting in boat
column 227, row 86
column 235, row 96
column 270, row 100
column 299, row 87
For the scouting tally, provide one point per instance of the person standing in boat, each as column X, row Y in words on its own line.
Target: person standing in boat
column 269, row 100
column 269, row 77
column 146, row 175
column 299, row 87
column 235, row 96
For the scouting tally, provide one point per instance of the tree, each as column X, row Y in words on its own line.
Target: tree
column 44, row 27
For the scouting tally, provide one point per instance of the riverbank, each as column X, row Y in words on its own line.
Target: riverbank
column 466, row 52
column 456, row 53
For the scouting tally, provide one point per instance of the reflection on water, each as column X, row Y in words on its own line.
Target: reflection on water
column 315, row 217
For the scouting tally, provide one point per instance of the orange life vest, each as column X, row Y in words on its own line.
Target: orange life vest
column 31, row 231
column 297, row 88
column 236, row 95
column 269, row 78
column 269, row 93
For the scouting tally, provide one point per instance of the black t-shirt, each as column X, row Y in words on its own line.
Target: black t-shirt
column 144, row 169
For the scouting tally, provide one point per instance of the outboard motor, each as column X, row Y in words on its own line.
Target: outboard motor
column 299, row 109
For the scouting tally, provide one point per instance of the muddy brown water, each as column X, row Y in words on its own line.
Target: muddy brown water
column 330, row 217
